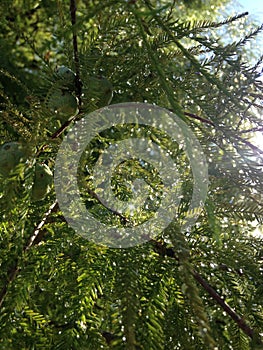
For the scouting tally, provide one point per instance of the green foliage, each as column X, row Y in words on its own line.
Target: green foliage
column 199, row 290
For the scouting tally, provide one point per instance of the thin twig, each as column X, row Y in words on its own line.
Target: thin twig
column 197, row 117
column 36, row 232
column 73, row 10
column 250, row 145
column 170, row 14
column 255, row 129
column 12, row 273
column 123, row 218
column 58, row 132
column 203, row 120
column 11, row 276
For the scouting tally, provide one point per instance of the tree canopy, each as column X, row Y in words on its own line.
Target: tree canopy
column 195, row 288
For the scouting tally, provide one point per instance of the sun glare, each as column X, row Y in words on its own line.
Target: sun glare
column 257, row 140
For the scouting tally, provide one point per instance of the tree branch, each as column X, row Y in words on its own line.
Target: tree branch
column 250, row 145
column 203, row 120
column 58, row 132
column 239, row 320
column 36, row 232
column 73, row 10
column 123, row 218
column 162, row 250
column 15, row 269
column 256, row 129
column 12, row 273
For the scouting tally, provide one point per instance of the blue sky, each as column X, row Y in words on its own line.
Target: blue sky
column 254, row 7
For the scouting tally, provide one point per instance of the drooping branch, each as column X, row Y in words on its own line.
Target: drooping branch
column 12, row 273
column 256, row 129
column 239, row 320
column 162, row 250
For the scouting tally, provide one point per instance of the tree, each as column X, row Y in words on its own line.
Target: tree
column 199, row 289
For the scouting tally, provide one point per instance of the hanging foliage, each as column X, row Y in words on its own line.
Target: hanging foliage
column 200, row 288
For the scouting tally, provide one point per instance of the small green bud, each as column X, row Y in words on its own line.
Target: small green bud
column 11, row 153
column 67, row 77
column 63, row 104
column 42, row 182
column 98, row 89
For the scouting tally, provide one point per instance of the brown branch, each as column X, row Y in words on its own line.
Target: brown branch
column 73, row 10
column 123, row 218
column 15, row 269
column 255, row 129
column 12, row 273
column 203, row 120
column 162, row 250
column 194, row 116
column 239, row 320
column 58, row 132
column 260, row 96
column 250, row 145
column 37, row 230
